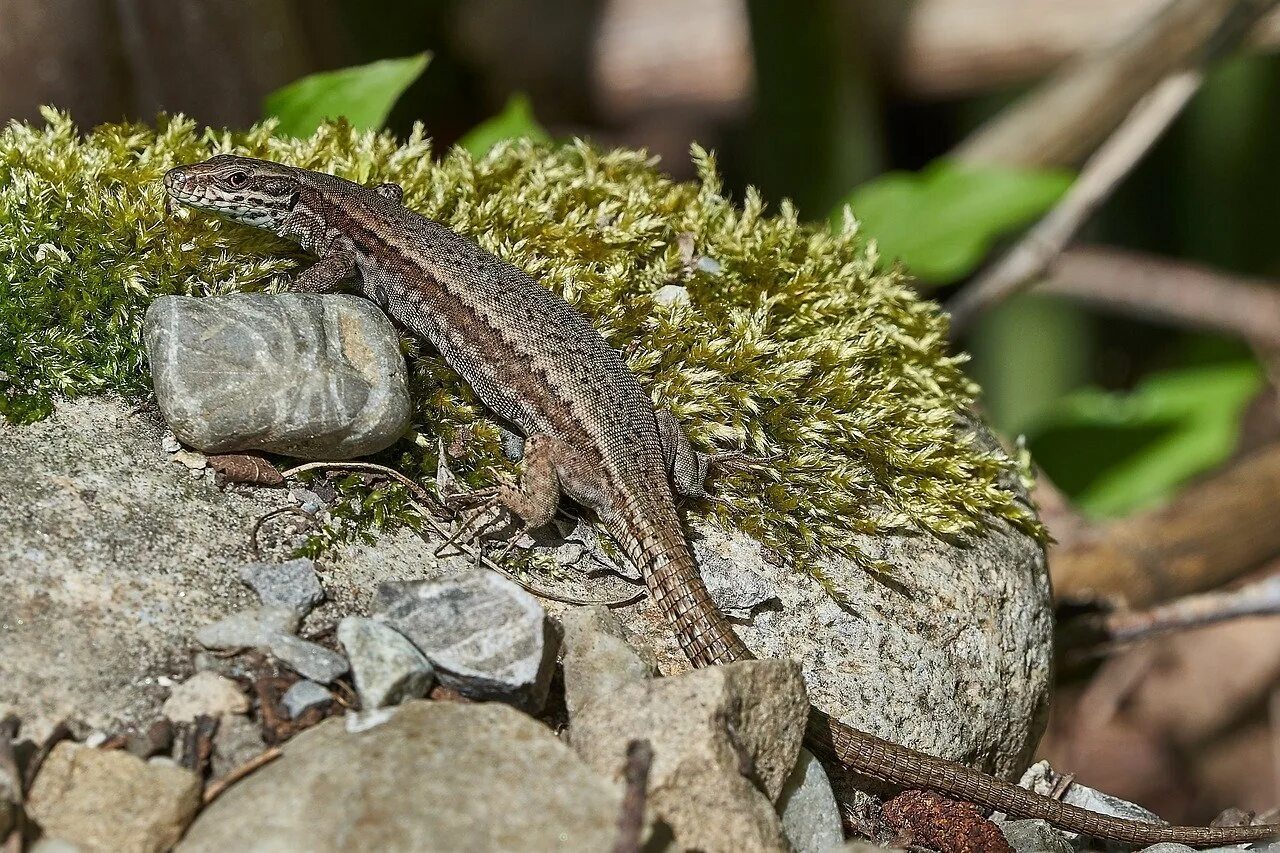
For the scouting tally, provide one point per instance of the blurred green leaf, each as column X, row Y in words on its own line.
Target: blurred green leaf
column 941, row 221
column 516, row 121
column 1115, row 453
column 363, row 94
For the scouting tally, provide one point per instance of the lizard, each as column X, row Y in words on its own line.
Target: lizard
column 590, row 431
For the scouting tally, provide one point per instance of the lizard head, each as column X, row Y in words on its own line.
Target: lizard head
column 254, row 192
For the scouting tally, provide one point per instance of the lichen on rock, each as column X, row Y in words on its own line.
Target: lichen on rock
column 791, row 340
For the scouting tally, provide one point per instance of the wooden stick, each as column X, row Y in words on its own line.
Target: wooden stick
column 1033, row 254
column 1212, row 533
column 1176, row 292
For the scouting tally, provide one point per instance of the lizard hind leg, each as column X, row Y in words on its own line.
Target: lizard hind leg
column 535, row 498
column 688, row 468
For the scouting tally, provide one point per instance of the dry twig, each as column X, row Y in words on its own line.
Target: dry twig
column 216, row 788
column 631, row 813
column 1177, row 292
column 1032, row 255
column 1095, row 633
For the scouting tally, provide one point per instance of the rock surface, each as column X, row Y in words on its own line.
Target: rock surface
column 205, row 693
column 291, row 584
column 810, row 815
column 486, row 637
column 110, row 800
column 724, row 739
column 1035, row 836
column 249, row 628
column 113, row 557
column 434, row 775
column 304, row 695
column 599, row 657
column 387, row 667
column 293, row 373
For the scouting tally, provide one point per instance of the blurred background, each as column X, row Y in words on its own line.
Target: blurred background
column 1136, row 364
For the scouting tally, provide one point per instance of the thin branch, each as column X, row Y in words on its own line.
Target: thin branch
column 1097, row 632
column 1177, row 292
column 1104, row 171
column 216, row 787
column 631, row 813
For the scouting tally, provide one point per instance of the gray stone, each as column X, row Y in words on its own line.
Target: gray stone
column 294, row 373
column 387, row 667
column 291, row 584
column 810, row 815
column 113, row 557
column 308, row 659
column 725, row 739
column 54, row 845
column 303, row 696
column 598, row 656
column 205, row 693
column 249, row 628
column 432, row 775
column 110, row 800
column 237, row 740
column 486, row 637
column 1043, row 779
column 1035, row 836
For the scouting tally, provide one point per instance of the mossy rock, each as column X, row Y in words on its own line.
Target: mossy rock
column 792, row 341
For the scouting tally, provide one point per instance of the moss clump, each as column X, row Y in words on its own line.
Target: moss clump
column 791, row 341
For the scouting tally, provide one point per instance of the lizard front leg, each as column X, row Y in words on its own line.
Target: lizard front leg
column 325, row 274
column 337, row 261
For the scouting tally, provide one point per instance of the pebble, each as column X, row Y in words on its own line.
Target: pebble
column 810, row 815
column 599, row 656
column 293, row 584
column 1034, row 836
column 237, row 740
column 249, row 628
column 308, row 659
column 303, row 696
column 205, row 693
column 306, row 375
column 486, row 637
column 387, row 667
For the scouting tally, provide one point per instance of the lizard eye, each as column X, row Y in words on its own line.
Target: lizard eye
column 236, row 180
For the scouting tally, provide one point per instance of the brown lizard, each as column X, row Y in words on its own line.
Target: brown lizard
column 590, row 430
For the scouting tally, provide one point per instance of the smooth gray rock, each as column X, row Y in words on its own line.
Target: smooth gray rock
column 598, row 656
column 724, row 739
column 387, row 667
column 433, row 775
column 810, row 815
column 486, row 637
column 1043, row 779
column 1035, row 836
column 1170, row 847
column 308, row 659
column 249, row 628
column 110, row 800
column 294, row 373
column 291, row 584
column 303, row 696
column 113, row 556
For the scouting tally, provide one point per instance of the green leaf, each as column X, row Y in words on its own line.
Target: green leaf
column 1116, row 453
column 362, row 94
column 941, row 221
column 516, row 121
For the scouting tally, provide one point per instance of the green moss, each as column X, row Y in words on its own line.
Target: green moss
column 794, row 344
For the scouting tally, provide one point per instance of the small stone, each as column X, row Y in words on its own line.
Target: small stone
column 598, row 657
column 810, row 814
column 249, row 628
column 318, row 377
column 237, row 740
column 205, row 693
column 387, row 667
column 431, row 776
column 303, row 696
column 671, row 294
column 725, row 739
column 170, row 443
column 308, row 659
column 110, row 800
column 54, row 845
column 1035, row 836
column 191, row 459
column 291, row 584
column 1171, row 847
column 486, row 637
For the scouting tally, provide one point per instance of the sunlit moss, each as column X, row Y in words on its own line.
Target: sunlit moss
column 790, row 342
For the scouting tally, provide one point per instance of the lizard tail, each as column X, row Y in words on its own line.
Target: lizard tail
column 706, row 637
